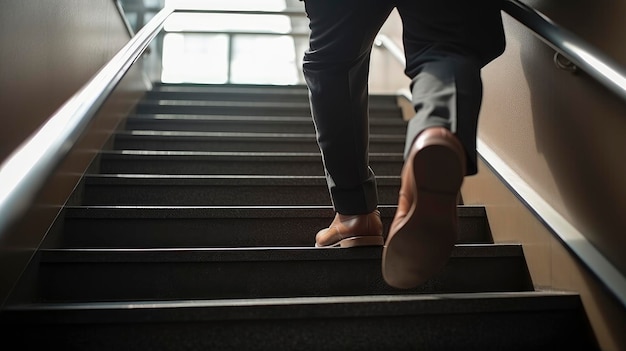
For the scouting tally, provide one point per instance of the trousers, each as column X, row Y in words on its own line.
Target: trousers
column 446, row 44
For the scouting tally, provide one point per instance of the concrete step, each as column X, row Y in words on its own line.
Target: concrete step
column 240, row 89
column 246, row 108
column 247, row 93
column 258, row 124
column 141, row 227
column 236, row 163
column 480, row 321
column 237, row 141
column 216, row 190
column 82, row 275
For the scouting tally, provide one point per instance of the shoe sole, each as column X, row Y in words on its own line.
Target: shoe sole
column 423, row 243
column 357, row 241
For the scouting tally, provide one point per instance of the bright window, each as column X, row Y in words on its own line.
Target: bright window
column 229, row 47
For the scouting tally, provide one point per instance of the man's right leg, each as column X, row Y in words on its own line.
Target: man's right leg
column 336, row 69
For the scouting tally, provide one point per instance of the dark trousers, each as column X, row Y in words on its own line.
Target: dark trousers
column 446, row 43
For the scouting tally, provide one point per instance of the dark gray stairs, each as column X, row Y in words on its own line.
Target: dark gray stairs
column 196, row 231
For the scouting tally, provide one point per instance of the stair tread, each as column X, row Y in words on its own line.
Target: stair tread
column 304, row 137
column 156, row 212
column 237, row 155
column 247, row 104
column 104, row 274
column 322, row 306
column 255, row 254
column 238, row 88
column 483, row 321
column 266, row 108
column 373, row 120
column 220, row 226
column 219, row 179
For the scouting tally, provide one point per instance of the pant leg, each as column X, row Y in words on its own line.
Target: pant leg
column 336, row 69
column 447, row 42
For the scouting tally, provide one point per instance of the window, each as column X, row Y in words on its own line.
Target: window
column 223, row 45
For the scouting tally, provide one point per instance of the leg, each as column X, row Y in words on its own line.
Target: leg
column 444, row 58
column 445, row 49
column 336, row 69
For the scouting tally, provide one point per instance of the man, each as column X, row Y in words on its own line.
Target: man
column 446, row 43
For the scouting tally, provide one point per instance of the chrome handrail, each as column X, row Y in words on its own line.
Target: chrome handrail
column 120, row 9
column 26, row 170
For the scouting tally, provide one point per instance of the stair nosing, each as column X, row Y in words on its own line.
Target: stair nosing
column 207, row 212
column 184, row 117
column 305, row 137
column 254, row 254
column 155, row 311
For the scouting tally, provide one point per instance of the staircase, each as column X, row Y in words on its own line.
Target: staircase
column 195, row 231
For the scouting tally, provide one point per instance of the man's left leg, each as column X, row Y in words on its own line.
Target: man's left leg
column 336, row 69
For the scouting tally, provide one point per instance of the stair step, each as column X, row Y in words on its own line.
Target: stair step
column 236, row 163
column 242, row 94
column 481, row 321
column 255, row 108
column 244, row 89
column 237, row 141
column 141, row 227
column 259, row 124
column 218, row 190
column 202, row 273
column 277, row 94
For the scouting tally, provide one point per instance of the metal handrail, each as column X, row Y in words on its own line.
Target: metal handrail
column 120, row 9
column 578, row 52
column 26, row 170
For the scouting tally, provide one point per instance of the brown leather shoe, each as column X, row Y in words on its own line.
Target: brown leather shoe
column 424, row 229
column 350, row 231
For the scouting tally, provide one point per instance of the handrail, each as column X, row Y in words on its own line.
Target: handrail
column 385, row 42
column 26, row 170
column 583, row 55
column 120, row 9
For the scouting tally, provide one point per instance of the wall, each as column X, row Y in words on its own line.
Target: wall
column 49, row 50
column 563, row 132
column 386, row 73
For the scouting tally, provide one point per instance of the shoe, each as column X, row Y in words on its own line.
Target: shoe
column 352, row 230
column 424, row 229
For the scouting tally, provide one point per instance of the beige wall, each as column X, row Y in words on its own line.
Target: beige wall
column 386, row 73
column 562, row 132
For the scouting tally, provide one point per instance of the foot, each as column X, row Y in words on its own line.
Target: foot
column 352, row 230
column 424, row 229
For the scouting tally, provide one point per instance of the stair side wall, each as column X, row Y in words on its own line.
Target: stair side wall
column 49, row 50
